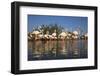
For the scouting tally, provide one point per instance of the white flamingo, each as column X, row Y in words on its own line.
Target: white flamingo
column 36, row 33
column 75, row 34
column 54, row 35
column 63, row 35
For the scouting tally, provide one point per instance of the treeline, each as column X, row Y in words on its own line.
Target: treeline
column 50, row 28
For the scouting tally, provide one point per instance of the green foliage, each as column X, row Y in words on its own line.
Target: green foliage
column 50, row 28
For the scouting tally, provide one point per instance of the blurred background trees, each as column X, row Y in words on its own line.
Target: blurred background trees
column 50, row 28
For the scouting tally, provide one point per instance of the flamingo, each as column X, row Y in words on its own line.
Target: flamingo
column 75, row 36
column 54, row 35
column 36, row 33
column 63, row 35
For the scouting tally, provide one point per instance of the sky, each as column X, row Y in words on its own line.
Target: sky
column 71, row 23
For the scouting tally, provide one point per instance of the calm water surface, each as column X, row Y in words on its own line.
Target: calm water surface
column 62, row 49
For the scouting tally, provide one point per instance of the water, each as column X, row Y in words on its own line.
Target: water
column 53, row 49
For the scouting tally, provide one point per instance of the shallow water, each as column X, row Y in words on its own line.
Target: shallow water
column 53, row 49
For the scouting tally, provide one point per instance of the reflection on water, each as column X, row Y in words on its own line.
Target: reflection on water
column 62, row 49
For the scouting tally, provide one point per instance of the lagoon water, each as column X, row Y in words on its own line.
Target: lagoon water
column 53, row 49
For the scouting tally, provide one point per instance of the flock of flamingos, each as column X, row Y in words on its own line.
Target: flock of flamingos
column 36, row 35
